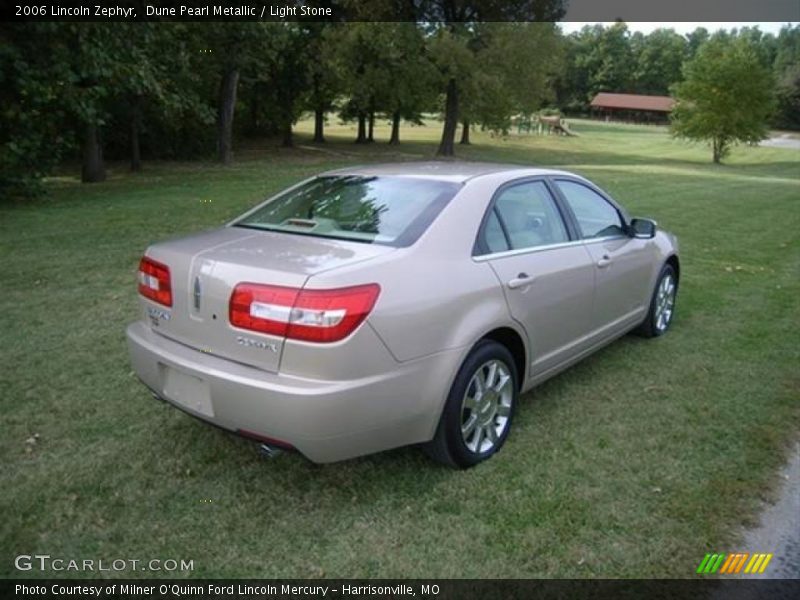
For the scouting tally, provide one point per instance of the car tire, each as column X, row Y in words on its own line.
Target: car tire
column 662, row 305
column 475, row 422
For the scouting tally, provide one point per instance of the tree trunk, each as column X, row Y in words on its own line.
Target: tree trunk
column 136, row 121
column 446, row 147
column 465, row 132
column 717, row 150
column 371, row 128
column 362, row 128
column 288, row 137
column 395, row 139
column 255, row 108
column 227, row 105
column 319, row 126
column 93, row 169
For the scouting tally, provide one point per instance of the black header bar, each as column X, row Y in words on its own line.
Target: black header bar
column 404, row 10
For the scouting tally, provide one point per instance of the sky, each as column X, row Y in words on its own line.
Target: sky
column 682, row 28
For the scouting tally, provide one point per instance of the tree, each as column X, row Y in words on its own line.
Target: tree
column 788, row 97
column 695, row 39
column 610, row 61
column 360, row 62
column 458, row 19
column 79, row 88
column 764, row 44
column 84, row 62
column 658, row 60
column 154, row 79
column 290, row 75
column 599, row 59
column 233, row 46
column 455, row 61
column 787, row 72
column 408, row 85
column 325, row 81
column 727, row 95
column 95, row 61
column 787, row 48
column 32, row 115
column 506, row 81
column 572, row 84
column 141, row 79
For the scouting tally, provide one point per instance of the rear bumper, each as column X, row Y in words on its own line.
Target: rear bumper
column 324, row 420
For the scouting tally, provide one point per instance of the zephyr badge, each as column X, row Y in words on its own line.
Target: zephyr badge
column 196, row 293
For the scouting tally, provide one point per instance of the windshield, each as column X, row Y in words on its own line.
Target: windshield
column 393, row 211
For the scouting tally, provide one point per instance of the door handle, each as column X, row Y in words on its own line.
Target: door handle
column 520, row 280
column 604, row 262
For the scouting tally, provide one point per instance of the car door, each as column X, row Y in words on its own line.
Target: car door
column 623, row 264
column 546, row 273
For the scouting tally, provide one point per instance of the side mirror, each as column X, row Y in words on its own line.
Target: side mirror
column 642, row 228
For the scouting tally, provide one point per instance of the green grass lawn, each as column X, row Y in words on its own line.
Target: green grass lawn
column 634, row 463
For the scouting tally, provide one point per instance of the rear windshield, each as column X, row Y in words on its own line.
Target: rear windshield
column 392, row 211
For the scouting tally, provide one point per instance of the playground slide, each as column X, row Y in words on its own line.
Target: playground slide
column 563, row 127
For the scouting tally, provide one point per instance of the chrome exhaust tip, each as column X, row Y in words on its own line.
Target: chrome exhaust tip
column 268, row 451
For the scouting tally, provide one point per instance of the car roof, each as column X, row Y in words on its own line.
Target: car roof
column 454, row 171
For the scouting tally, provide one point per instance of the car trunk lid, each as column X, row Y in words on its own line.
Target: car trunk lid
column 205, row 268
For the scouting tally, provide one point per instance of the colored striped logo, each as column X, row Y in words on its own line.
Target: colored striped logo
column 734, row 563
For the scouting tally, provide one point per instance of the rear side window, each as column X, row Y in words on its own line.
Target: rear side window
column 392, row 211
column 494, row 236
column 524, row 216
column 596, row 216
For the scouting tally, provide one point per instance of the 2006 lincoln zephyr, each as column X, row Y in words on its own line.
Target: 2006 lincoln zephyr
column 375, row 307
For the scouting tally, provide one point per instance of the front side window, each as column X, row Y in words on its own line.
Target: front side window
column 595, row 215
column 524, row 216
column 392, row 211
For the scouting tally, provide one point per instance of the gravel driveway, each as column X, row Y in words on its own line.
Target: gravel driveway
column 779, row 529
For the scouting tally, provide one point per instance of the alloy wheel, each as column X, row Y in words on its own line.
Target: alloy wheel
column 486, row 407
column 665, row 302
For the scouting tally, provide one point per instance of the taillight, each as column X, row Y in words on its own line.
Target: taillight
column 263, row 308
column 308, row 315
column 154, row 282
